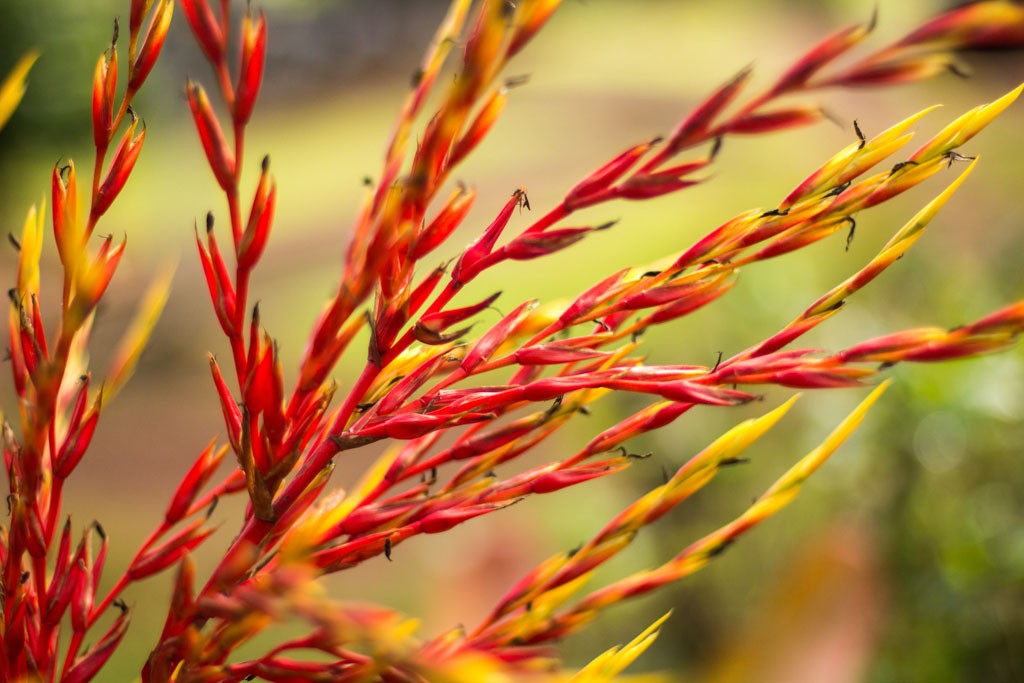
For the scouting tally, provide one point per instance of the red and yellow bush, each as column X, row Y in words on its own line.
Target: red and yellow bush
column 457, row 401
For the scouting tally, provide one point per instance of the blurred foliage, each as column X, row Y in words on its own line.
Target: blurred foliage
column 935, row 489
column 952, row 539
column 56, row 106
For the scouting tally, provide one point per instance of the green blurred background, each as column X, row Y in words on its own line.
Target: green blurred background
column 904, row 557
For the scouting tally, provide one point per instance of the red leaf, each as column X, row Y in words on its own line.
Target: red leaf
column 554, row 353
column 651, row 185
column 88, row 665
column 481, row 125
column 778, row 119
column 980, row 24
column 193, row 481
column 533, row 245
column 170, row 551
column 232, row 414
column 560, row 479
column 702, row 118
column 429, row 329
column 589, row 190
column 444, row 224
column 75, row 445
column 405, row 387
column 472, row 260
column 820, row 55
column 152, row 44
column 250, row 71
column 120, row 168
column 492, row 339
column 261, row 217
column 104, row 83
column 218, row 154
column 205, row 27
column 443, row 520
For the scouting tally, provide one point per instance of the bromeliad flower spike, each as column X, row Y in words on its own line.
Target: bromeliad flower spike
column 456, row 401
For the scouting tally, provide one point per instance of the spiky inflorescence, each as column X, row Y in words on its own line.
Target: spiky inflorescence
column 424, row 376
column 49, row 587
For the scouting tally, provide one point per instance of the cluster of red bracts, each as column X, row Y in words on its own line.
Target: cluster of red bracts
column 373, row 524
column 259, row 432
column 418, row 397
column 105, row 118
column 34, row 498
column 991, row 333
column 393, row 233
column 394, row 398
column 212, row 34
column 374, row 527
column 249, row 246
column 266, row 437
column 798, row 368
column 73, row 587
column 38, row 600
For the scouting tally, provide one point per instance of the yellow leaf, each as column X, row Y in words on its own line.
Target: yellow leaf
column 31, row 249
column 705, row 465
column 879, row 147
column 813, row 460
column 310, row 530
column 135, row 339
column 988, row 113
column 926, row 214
column 965, row 127
column 743, row 435
column 545, row 604
column 13, row 87
column 613, row 661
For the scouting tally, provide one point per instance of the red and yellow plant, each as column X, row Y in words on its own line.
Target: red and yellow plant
column 457, row 406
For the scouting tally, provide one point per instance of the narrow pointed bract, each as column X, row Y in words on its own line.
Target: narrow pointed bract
column 152, row 43
column 12, row 89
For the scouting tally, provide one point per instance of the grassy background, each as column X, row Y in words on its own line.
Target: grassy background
column 904, row 558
